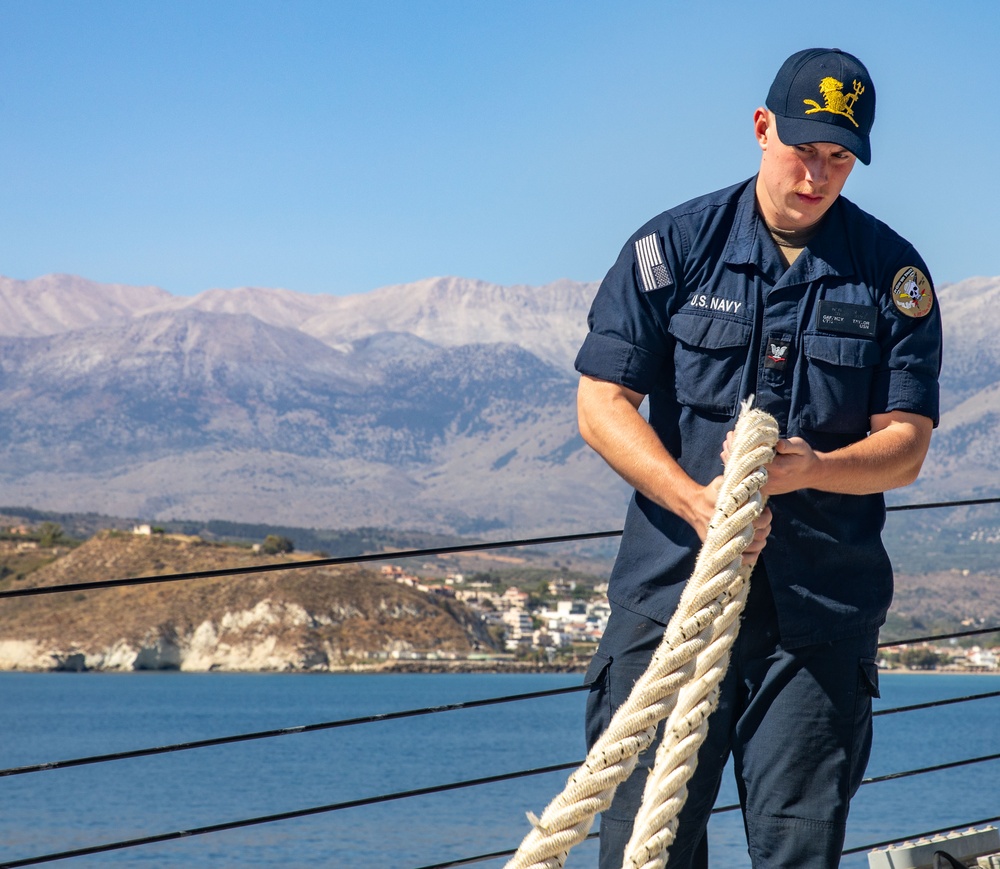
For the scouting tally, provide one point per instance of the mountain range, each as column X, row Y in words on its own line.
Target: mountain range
column 447, row 404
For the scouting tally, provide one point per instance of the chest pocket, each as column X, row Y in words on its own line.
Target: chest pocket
column 710, row 354
column 835, row 391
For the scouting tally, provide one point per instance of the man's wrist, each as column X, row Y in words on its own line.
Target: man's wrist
column 687, row 500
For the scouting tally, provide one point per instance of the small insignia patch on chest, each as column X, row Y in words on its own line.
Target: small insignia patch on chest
column 777, row 353
column 653, row 272
column 911, row 292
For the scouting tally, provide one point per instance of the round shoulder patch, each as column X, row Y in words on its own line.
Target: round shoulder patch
column 912, row 293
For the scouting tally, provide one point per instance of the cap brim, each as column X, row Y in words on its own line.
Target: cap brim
column 803, row 131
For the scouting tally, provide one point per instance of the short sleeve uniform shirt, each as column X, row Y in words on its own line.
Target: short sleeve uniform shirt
column 699, row 312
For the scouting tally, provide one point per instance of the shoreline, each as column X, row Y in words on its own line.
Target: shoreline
column 442, row 667
column 940, row 671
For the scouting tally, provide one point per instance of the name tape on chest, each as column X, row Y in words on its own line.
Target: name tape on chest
column 653, row 273
column 846, row 318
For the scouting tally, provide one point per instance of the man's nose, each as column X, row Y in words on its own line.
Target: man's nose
column 817, row 170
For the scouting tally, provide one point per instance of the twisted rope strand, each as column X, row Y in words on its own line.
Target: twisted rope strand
column 665, row 791
column 680, row 684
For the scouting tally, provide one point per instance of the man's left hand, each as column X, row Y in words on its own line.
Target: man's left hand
column 793, row 461
column 888, row 458
column 789, row 469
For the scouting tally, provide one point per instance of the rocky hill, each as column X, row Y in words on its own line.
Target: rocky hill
column 944, row 601
column 962, row 458
column 304, row 619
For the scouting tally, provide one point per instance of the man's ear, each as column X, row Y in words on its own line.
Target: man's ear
column 761, row 126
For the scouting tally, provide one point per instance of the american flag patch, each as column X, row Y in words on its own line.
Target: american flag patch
column 649, row 258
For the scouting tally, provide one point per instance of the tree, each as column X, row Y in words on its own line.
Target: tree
column 274, row 543
column 50, row 534
column 919, row 659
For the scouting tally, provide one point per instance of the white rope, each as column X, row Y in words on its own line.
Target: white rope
column 680, row 684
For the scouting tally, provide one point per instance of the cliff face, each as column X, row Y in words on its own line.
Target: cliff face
column 302, row 619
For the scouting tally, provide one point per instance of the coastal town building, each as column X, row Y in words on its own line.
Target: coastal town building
column 571, row 621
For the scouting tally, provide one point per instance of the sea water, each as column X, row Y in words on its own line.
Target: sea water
column 49, row 717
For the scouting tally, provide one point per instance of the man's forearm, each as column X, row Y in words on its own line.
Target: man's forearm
column 890, row 457
column 611, row 424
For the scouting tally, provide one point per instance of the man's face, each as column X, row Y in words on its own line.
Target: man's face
column 797, row 184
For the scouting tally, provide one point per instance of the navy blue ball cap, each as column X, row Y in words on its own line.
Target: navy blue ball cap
column 824, row 95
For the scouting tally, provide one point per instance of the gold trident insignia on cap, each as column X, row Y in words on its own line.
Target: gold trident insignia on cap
column 836, row 102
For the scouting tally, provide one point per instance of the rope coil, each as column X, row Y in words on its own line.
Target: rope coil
column 680, row 684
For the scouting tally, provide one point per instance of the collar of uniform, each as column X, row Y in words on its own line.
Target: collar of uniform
column 739, row 245
column 830, row 249
column 750, row 243
column 746, row 245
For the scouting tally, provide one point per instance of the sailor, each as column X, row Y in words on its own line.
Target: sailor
column 782, row 289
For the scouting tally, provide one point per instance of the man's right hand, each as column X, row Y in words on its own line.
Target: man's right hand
column 611, row 423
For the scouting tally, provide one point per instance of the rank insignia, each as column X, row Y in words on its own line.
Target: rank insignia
column 911, row 292
column 777, row 353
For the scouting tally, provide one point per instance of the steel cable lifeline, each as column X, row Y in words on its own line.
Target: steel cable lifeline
column 383, row 798
column 680, row 684
column 299, row 729
column 306, row 812
column 176, row 835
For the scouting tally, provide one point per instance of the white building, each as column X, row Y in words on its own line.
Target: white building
column 982, row 658
column 519, row 629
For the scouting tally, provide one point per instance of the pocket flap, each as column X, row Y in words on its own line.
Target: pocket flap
column 869, row 675
column 595, row 670
column 710, row 333
column 841, row 350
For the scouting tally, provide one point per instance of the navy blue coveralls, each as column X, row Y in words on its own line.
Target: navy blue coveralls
column 698, row 313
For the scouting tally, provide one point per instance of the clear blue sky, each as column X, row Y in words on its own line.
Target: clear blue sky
column 335, row 147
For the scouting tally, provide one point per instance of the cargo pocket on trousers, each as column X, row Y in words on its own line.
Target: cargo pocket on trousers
column 868, row 690
column 599, row 711
column 869, row 676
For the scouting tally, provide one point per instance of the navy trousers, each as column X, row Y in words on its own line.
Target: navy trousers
column 798, row 723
